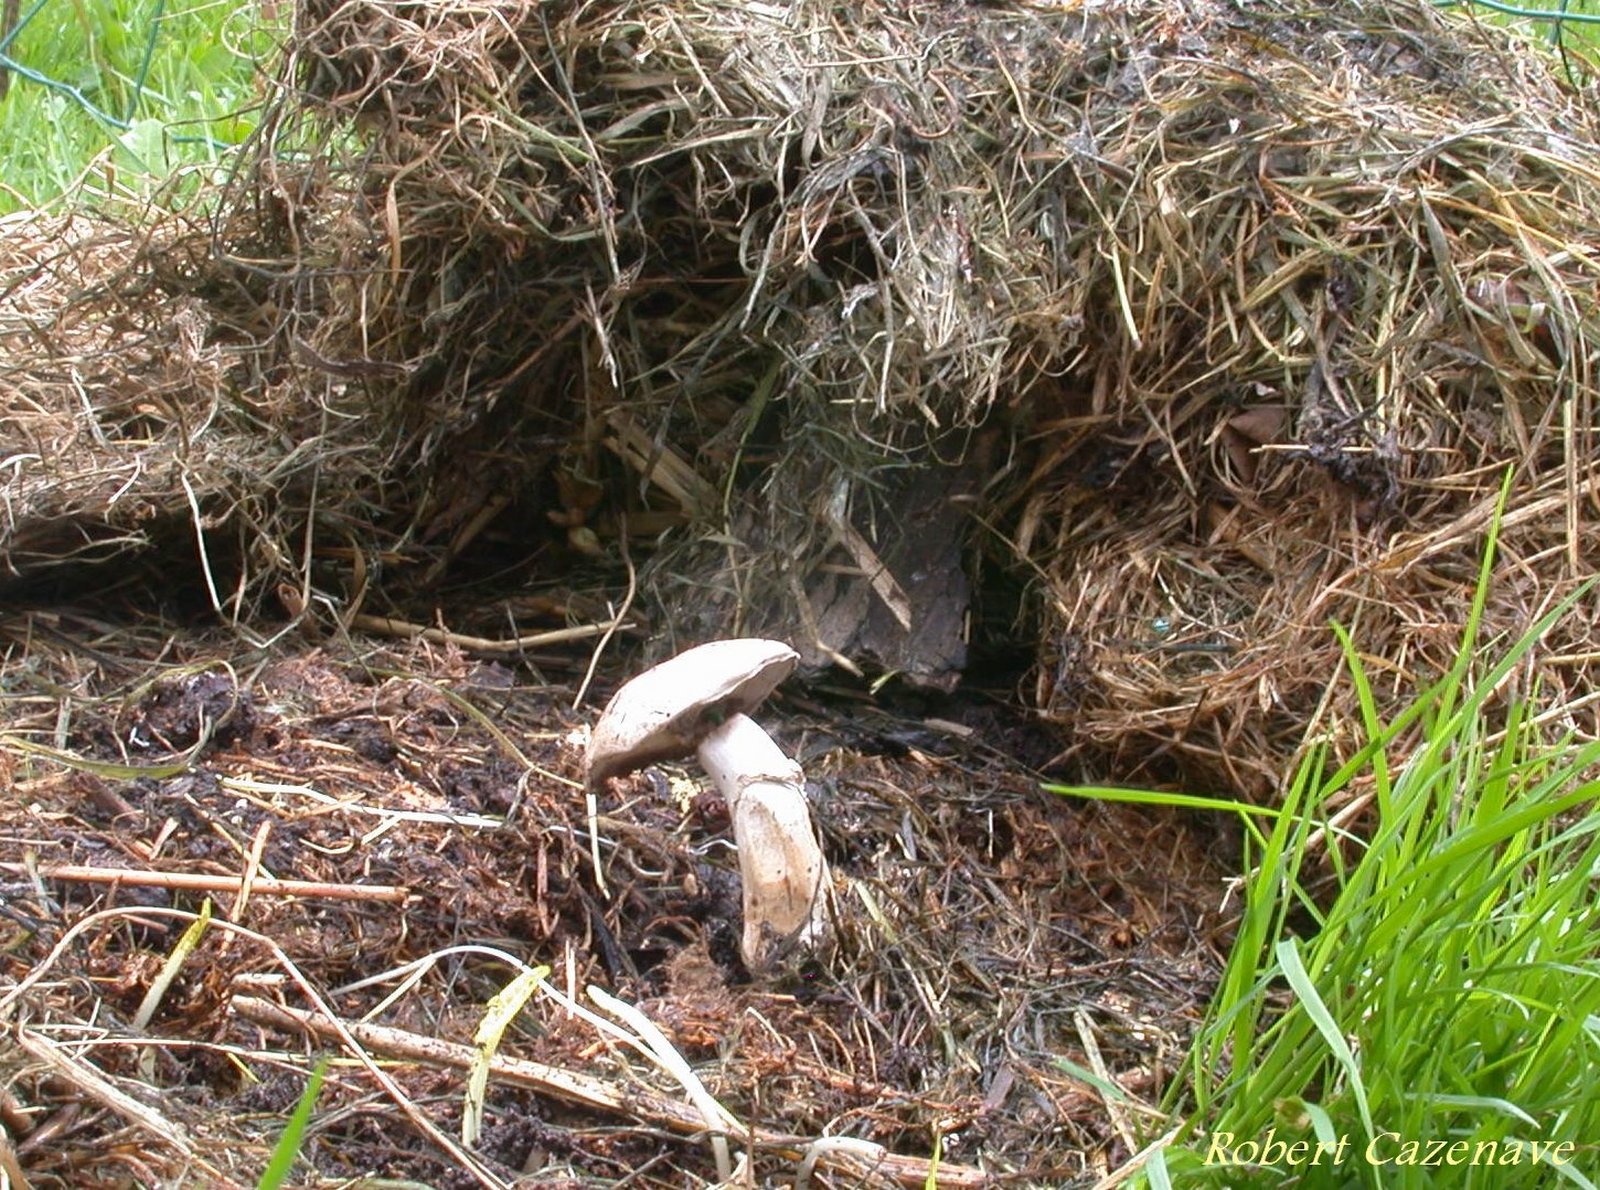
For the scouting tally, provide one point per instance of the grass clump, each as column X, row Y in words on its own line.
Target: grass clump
column 116, row 96
column 1423, row 1003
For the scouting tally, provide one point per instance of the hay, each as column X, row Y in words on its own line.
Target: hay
column 1353, row 289
column 91, row 395
column 154, row 424
column 1247, row 309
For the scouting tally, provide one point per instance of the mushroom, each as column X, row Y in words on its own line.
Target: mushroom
column 697, row 703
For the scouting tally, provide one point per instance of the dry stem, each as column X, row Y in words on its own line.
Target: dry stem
column 203, row 882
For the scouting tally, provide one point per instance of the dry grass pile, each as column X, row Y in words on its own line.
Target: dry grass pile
column 107, row 389
column 1351, row 285
column 1238, row 313
column 431, row 808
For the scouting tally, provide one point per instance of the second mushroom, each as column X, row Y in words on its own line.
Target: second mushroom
column 698, row 703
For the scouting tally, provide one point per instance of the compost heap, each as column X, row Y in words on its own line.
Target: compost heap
column 1210, row 324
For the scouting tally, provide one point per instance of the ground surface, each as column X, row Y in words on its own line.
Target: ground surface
column 984, row 927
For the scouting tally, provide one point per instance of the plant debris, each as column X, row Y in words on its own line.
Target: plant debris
column 1213, row 355
column 1236, row 358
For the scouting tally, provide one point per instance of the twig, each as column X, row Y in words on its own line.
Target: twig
column 664, row 1054
column 201, row 882
column 588, row 1091
column 252, row 871
column 660, row 465
column 1135, row 1163
column 10, row 1165
column 387, row 626
column 1115, row 1108
column 257, row 790
column 877, row 573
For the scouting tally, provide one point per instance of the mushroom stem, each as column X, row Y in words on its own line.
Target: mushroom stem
column 780, row 860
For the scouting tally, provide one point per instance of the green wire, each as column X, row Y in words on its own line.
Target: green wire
column 77, row 96
column 33, row 76
column 1559, row 17
column 22, row 23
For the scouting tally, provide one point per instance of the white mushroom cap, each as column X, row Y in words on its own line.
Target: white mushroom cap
column 665, row 712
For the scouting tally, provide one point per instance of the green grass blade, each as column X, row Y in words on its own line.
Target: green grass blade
column 1155, row 797
column 1369, row 718
column 1295, row 973
column 1174, row 801
column 288, row 1146
column 1089, row 1078
column 1155, row 1167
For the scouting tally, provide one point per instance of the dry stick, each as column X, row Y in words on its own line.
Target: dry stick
column 660, row 465
column 1135, row 1163
column 201, row 882
column 600, row 1094
column 10, row 1164
column 878, row 576
column 386, row 626
column 252, row 871
column 1114, row 1107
